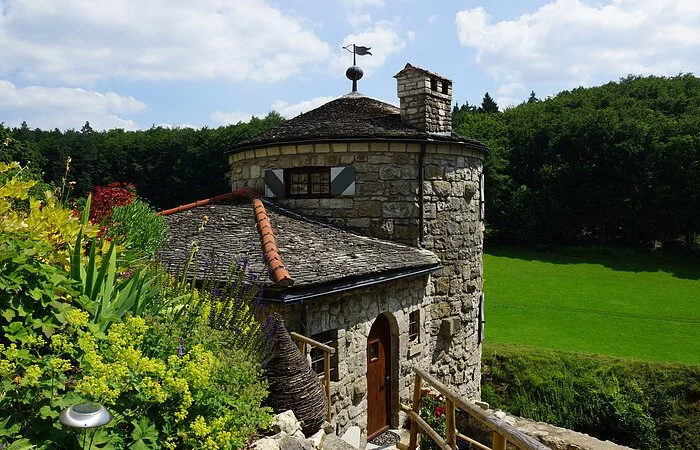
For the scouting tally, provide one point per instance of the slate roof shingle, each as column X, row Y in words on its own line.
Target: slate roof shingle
column 312, row 252
column 350, row 117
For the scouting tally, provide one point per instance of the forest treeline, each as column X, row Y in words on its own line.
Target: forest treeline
column 614, row 163
column 168, row 166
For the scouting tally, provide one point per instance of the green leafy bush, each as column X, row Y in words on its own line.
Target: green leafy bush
column 639, row 404
column 142, row 230
column 74, row 320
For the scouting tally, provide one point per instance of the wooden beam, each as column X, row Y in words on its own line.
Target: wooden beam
column 511, row 434
column 413, row 440
column 424, row 427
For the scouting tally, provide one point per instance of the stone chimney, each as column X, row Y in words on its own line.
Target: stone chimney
column 426, row 99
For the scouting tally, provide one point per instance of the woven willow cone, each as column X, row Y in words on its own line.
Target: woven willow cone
column 292, row 383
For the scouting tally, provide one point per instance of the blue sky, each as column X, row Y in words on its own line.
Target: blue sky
column 133, row 64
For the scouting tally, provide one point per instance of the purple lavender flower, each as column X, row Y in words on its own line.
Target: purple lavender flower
column 181, row 347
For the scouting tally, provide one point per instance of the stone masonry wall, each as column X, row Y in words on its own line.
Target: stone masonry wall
column 352, row 313
column 423, row 102
column 454, row 232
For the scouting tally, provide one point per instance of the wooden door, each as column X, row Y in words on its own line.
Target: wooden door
column 378, row 385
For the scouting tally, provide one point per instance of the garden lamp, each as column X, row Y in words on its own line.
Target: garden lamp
column 82, row 416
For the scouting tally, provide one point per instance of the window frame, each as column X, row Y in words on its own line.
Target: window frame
column 330, row 338
column 309, row 171
column 414, row 327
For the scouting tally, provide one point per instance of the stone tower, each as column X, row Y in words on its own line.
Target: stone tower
column 396, row 174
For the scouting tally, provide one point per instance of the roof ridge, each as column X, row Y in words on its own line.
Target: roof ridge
column 278, row 272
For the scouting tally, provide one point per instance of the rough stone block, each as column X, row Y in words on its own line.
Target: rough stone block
column 442, row 188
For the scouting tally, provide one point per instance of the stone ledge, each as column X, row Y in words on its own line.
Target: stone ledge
column 415, row 350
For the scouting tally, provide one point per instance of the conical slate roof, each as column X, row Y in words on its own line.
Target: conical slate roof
column 292, row 383
column 350, row 117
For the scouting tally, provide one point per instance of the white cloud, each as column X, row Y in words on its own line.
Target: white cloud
column 226, row 118
column 84, row 41
column 356, row 20
column 570, row 42
column 285, row 109
column 433, row 18
column 362, row 3
column 63, row 107
column 290, row 110
column 382, row 37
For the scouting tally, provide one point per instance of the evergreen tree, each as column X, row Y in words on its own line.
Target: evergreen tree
column 488, row 104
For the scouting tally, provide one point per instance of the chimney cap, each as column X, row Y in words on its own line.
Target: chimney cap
column 411, row 68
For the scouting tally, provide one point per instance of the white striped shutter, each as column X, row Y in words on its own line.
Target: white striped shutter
column 274, row 183
column 343, row 180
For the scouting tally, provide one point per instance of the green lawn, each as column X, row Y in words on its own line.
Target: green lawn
column 624, row 304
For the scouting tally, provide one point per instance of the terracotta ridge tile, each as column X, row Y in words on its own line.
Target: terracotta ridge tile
column 278, row 272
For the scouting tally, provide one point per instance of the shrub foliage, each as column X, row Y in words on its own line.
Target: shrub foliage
column 639, row 404
column 81, row 322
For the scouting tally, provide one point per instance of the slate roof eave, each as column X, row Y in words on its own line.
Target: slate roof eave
column 428, row 139
column 291, row 296
column 317, row 254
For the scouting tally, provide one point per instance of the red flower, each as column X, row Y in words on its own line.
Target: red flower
column 439, row 410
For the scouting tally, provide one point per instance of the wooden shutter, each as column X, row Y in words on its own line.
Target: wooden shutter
column 343, row 180
column 482, row 198
column 274, row 183
column 482, row 319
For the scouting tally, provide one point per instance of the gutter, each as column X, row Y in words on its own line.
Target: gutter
column 301, row 296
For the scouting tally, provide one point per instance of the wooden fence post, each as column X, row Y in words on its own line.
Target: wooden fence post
column 451, row 425
column 413, row 440
column 499, row 442
column 327, row 379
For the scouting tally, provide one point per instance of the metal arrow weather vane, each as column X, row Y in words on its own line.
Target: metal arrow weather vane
column 354, row 73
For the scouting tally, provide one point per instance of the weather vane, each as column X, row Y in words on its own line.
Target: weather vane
column 354, row 73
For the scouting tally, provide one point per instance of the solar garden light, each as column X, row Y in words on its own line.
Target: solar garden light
column 85, row 415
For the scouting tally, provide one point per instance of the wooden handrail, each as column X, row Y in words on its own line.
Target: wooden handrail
column 327, row 352
column 311, row 342
column 503, row 433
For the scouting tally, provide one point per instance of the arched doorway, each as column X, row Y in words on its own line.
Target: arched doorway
column 378, row 377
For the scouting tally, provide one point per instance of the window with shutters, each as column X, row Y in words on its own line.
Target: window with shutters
column 307, row 182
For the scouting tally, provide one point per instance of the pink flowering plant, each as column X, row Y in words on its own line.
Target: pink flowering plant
column 432, row 410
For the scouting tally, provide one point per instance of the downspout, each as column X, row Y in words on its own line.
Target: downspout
column 303, row 318
column 421, row 199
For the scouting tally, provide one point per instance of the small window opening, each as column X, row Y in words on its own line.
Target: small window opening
column 329, row 338
column 414, row 326
column 374, row 351
column 444, row 87
column 433, row 84
column 308, row 182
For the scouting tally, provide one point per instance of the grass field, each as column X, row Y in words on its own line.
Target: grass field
column 622, row 304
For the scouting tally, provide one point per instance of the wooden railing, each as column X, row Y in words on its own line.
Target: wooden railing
column 302, row 342
column 502, row 433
